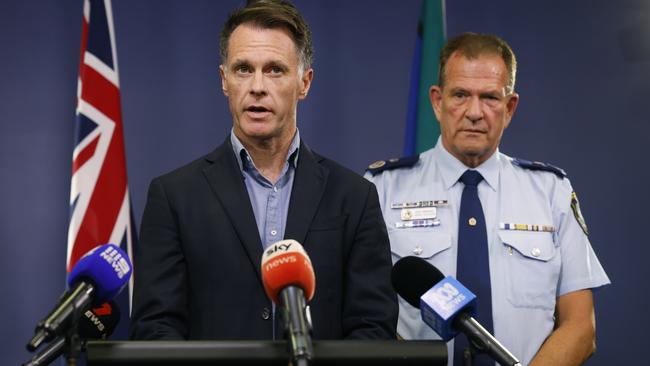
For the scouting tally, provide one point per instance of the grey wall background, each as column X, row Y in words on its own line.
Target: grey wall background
column 584, row 72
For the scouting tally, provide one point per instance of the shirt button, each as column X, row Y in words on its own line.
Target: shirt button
column 275, row 189
column 535, row 252
column 266, row 313
column 418, row 250
column 273, row 232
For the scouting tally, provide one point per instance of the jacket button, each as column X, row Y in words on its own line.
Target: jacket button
column 266, row 314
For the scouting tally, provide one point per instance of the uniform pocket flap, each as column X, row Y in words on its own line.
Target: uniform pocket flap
column 531, row 244
column 420, row 243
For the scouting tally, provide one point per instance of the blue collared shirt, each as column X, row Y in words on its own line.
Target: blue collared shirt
column 528, row 269
column 270, row 201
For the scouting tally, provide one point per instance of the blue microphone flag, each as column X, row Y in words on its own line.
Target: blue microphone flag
column 107, row 267
column 443, row 302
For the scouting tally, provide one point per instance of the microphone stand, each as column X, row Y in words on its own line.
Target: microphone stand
column 70, row 344
column 468, row 355
column 296, row 325
column 72, row 339
column 47, row 355
column 481, row 341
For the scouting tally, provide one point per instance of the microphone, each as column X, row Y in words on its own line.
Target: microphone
column 96, row 278
column 446, row 306
column 289, row 281
column 98, row 323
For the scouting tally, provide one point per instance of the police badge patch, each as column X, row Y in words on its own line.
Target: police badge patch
column 575, row 206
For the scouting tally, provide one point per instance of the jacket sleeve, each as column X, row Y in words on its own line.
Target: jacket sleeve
column 160, row 277
column 370, row 303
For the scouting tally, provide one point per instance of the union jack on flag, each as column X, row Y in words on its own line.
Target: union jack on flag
column 100, row 209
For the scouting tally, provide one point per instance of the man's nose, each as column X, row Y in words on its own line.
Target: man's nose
column 474, row 109
column 258, row 85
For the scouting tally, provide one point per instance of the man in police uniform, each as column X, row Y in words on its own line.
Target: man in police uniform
column 542, row 268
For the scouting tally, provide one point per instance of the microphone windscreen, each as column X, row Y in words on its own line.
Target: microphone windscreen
column 107, row 267
column 286, row 263
column 412, row 277
column 100, row 322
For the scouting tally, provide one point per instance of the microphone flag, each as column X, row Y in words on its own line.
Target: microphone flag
column 440, row 304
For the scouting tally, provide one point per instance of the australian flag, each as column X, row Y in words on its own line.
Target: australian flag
column 100, row 208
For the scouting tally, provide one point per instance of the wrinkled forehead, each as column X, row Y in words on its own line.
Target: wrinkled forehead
column 484, row 69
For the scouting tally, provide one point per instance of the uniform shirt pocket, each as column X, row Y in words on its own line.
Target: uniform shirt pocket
column 428, row 244
column 532, row 268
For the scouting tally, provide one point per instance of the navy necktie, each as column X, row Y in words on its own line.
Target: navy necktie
column 473, row 266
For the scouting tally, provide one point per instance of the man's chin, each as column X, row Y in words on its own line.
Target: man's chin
column 473, row 148
column 262, row 130
column 470, row 150
column 257, row 129
column 476, row 154
column 260, row 134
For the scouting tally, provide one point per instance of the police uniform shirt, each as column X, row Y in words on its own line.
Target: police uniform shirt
column 548, row 254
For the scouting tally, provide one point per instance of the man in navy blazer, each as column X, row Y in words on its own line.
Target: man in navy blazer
column 205, row 225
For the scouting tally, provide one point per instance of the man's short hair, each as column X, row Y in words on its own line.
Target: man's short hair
column 471, row 46
column 271, row 14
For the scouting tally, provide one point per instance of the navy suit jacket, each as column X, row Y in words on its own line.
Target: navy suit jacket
column 197, row 265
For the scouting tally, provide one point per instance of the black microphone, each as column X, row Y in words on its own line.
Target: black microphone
column 446, row 306
column 97, row 277
column 98, row 323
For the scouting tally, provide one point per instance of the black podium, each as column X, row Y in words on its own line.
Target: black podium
column 167, row 353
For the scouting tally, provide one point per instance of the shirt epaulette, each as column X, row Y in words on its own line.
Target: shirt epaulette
column 538, row 165
column 394, row 163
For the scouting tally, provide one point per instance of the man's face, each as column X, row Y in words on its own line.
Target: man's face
column 263, row 82
column 473, row 107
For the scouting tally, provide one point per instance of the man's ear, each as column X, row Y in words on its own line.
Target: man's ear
column 224, row 85
column 511, row 107
column 305, row 83
column 435, row 97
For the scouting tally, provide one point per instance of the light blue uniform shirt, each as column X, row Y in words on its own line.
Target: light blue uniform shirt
column 528, row 269
column 270, row 201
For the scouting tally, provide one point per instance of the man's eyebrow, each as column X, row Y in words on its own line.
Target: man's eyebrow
column 457, row 89
column 277, row 63
column 494, row 92
column 239, row 62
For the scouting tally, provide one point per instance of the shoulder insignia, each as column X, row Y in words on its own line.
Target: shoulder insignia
column 382, row 165
column 575, row 207
column 538, row 165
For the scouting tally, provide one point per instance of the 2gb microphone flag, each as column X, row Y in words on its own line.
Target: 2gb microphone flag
column 100, row 207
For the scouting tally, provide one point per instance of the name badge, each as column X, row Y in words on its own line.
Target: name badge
column 424, row 213
column 433, row 203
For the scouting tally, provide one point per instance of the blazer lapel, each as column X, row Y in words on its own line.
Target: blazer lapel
column 308, row 188
column 227, row 183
